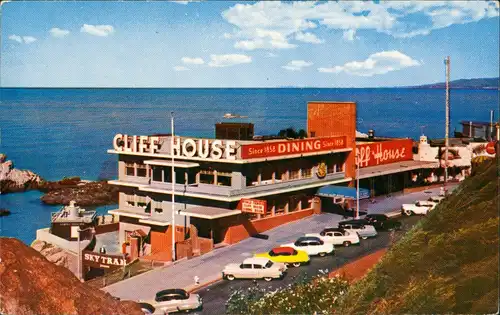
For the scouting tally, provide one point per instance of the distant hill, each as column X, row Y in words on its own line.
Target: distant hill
column 483, row 83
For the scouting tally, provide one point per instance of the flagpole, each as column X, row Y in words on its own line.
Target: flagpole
column 357, row 185
column 173, row 186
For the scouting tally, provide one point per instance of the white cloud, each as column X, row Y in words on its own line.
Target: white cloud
column 378, row 63
column 22, row 39
column 29, row 39
column 57, row 32
column 270, row 55
column 349, row 35
column 97, row 30
column 192, row 61
column 180, row 68
column 228, row 60
column 16, row 38
column 308, row 38
column 273, row 24
column 297, row 65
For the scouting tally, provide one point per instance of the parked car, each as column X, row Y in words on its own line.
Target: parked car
column 312, row 246
column 255, row 268
column 419, row 207
column 382, row 222
column 174, row 300
column 147, row 308
column 337, row 236
column 286, row 255
column 364, row 231
column 437, row 198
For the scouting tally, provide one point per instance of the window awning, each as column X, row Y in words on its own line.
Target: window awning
column 181, row 164
column 342, row 192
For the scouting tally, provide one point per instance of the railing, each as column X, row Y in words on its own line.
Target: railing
column 227, row 191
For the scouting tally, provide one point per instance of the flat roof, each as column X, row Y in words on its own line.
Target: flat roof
column 392, row 168
column 181, row 164
column 203, row 212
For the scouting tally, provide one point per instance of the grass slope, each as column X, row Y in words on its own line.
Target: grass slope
column 448, row 263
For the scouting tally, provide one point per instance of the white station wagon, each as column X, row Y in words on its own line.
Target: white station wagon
column 312, row 246
column 337, row 236
column 172, row 300
column 255, row 268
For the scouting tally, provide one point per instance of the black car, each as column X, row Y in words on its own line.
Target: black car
column 382, row 222
column 378, row 221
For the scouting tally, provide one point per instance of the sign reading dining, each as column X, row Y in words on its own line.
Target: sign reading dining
column 278, row 148
column 379, row 153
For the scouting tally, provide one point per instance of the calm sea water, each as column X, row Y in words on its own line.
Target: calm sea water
column 66, row 132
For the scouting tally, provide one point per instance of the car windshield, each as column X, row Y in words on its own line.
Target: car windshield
column 269, row 264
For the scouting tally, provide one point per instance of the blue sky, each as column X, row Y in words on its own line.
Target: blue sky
column 250, row 44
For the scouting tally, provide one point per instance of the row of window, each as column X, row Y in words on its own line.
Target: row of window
column 149, row 205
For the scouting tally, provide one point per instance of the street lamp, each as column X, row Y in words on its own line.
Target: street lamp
column 173, row 186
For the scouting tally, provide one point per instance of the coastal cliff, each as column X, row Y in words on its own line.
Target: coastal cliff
column 30, row 284
column 15, row 180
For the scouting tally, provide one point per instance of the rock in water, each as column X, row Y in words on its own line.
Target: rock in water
column 4, row 212
column 84, row 193
column 15, row 180
column 32, row 285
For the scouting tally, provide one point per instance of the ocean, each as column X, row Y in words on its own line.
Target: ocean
column 66, row 132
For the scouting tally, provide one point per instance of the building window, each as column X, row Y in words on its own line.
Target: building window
column 307, row 173
column 224, row 178
column 157, row 172
column 142, row 201
column 340, row 167
column 130, row 200
column 141, row 170
column 313, row 134
column 330, row 168
column 294, row 174
column 129, row 169
column 207, row 177
column 156, row 205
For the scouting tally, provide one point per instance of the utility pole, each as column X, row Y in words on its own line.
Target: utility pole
column 357, row 184
column 491, row 125
column 173, row 186
column 447, row 125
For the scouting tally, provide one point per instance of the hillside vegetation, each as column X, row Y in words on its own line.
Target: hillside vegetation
column 447, row 264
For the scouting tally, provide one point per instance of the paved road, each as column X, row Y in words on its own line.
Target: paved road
column 208, row 267
column 216, row 295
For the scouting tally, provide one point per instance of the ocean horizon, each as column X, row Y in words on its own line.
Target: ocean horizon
column 58, row 132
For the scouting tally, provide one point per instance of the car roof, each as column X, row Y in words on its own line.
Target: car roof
column 308, row 238
column 354, row 221
column 284, row 249
column 171, row 291
column 256, row 260
column 332, row 229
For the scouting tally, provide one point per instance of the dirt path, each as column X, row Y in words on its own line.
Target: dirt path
column 357, row 269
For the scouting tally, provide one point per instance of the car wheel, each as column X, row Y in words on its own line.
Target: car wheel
column 408, row 212
column 268, row 279
column 364, row 237
column 322, row 254
column 296, row 264
column 347, row 244
column 230, row 277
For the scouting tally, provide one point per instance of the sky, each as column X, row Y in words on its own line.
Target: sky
column 246, row 44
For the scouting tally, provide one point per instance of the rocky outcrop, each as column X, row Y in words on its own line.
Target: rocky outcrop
column 4, row 212
column 83, row 193
column 30, row 284
column 15, row 180
column 56, row 255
